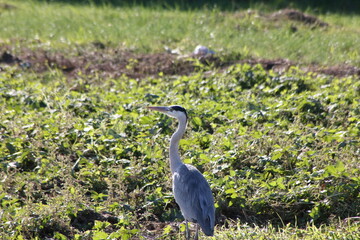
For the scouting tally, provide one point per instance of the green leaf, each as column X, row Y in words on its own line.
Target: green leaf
column 167, row 230
column 230, row 191
column 276, row 154
column 100, row 235
column 197, row 121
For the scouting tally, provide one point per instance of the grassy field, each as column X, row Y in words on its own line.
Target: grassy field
column 82, row 158
column 245, row 33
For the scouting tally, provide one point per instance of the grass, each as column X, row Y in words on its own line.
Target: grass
column 149, row 29
column 339, row 230
column 280, row 151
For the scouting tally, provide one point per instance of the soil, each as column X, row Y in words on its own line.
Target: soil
column 296, row 15
column 6, row 6
column 98, row 60
column 84, row 220
column 114, row 63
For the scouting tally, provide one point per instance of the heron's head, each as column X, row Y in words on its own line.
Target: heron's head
column 177, row 112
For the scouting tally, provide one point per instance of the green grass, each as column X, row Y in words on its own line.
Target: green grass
column 149, row 29
column 280, row 151
column 339, row 230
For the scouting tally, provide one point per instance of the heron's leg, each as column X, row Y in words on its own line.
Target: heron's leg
column 197, row 232
column 187, row 231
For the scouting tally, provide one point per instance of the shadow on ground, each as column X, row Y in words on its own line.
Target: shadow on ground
column 346, row 6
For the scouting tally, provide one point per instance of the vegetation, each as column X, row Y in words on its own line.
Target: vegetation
column 232, row 34
column 82, row 158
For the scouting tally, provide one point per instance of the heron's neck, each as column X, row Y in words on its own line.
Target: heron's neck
column 175, row 161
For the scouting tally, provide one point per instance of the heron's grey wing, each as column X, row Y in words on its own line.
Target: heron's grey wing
column 193, row 195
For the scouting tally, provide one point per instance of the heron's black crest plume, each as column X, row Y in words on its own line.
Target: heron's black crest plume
column 180, row 109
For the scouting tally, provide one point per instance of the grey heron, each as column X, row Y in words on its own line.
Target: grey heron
column 191, row 190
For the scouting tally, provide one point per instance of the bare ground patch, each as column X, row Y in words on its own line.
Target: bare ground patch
column 296, row 15
column 115, row 63
column 104, row 62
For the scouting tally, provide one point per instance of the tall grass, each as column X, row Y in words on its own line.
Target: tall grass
column 143, row 29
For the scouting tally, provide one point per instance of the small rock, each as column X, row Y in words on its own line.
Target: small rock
column 202, row 51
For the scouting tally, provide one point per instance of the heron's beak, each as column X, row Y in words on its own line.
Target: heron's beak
column 159, row 109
